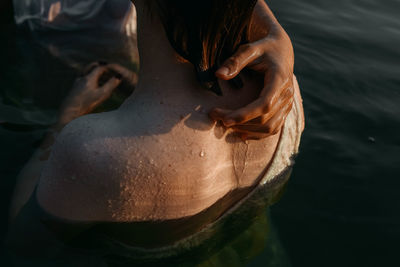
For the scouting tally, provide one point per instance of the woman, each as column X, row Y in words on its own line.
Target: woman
column 159, row 158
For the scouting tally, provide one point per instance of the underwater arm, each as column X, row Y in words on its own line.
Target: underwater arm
column 85, row 95
column 270, row 54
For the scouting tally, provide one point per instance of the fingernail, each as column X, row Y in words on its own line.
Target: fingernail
column 223, row 71
column 102, row 63
column 118, row 76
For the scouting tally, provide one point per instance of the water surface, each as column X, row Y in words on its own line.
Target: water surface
column 341, row 206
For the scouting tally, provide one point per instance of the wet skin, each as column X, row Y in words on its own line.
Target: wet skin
column 270, row 55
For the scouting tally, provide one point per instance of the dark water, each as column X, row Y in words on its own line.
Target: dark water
column 341, row 206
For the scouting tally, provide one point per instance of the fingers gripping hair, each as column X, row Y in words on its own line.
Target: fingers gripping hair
column 205, row 32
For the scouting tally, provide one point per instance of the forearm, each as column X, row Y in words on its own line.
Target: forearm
column 263, row 22
column 269, row 54
column 30, row 174
column 267, row 28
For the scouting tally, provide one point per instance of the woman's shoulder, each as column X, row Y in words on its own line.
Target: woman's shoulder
column 106, row 168
column 136, row 165
column 67, row 179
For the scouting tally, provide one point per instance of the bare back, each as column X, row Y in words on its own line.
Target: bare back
column 155, row 158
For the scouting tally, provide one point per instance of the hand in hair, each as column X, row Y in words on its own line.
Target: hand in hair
column 270, row 55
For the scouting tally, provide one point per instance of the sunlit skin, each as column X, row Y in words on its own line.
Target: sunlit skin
column 270, row 54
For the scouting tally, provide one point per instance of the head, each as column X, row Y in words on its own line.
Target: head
column 205, row 32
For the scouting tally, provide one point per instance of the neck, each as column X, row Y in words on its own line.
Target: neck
column 160, row 66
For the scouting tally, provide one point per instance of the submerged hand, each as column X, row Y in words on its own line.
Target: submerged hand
column 128, row 76
column 87, row 93
column 272, row 57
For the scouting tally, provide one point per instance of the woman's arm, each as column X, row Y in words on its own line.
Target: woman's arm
column 83, row 98
column 270, row 54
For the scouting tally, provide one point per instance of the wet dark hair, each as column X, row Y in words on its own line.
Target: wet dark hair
column 205, row 32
